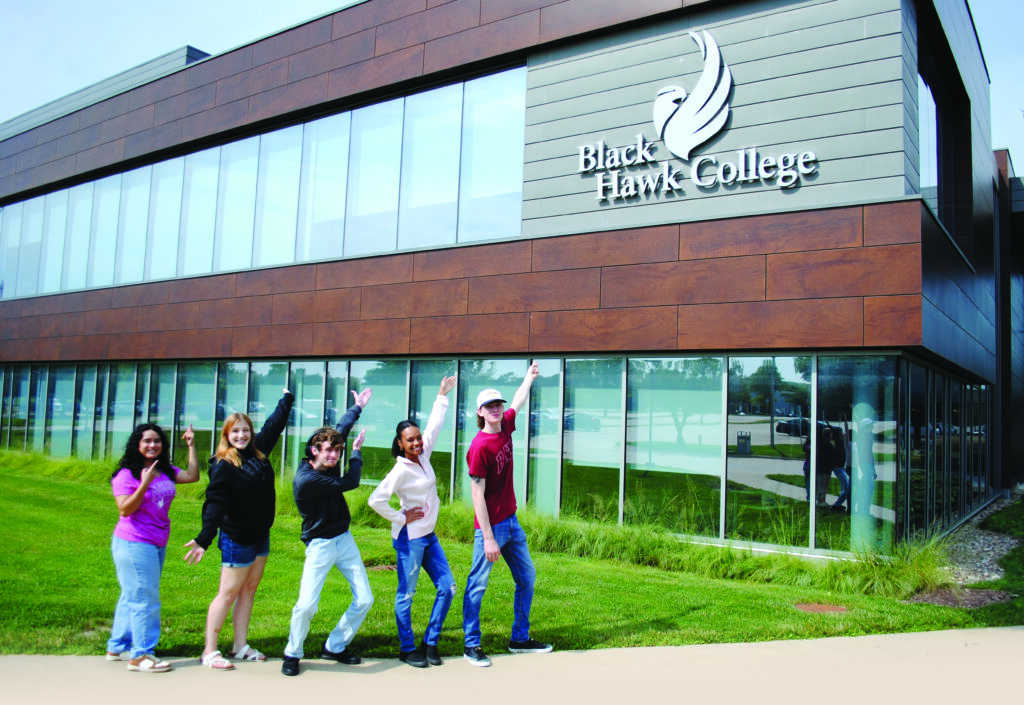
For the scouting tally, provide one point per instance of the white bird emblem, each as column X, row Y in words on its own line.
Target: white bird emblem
column 683, row 123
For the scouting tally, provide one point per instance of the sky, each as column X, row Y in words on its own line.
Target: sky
column 50, row 48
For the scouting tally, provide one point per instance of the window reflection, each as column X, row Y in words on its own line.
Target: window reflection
column 51, row 261
column 60, row 408
column 592, row 445
column 195, row 405
column 374, row 165
column 267, row 382
column 426, row 378
column 767, row 488
column 85, row 393
column 103, row 238
column 35, row 439
column 10, row 236
column 236, row 205
column 130, row 259
column 545, row 460
column 430, row 168
column 198, row 212
column 388, row 406
column 323, row 187
column 277, row 197
column 164, row 219
column 917, row 451
column 674, row 436
column 306, row 382
column 18, row 409
column 30, row 246
column 76, row 243
column 121, row 409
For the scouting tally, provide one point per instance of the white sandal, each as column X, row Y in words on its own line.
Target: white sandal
column 247, row 653
column 148, row 663
column 216, row 661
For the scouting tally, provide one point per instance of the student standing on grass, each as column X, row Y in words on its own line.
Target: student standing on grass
column 412, row 529
column 144, row 487
column 240, row 502
column 319, row 489
column 497, row 530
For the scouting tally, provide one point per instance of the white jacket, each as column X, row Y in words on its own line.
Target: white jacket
column 415, row 484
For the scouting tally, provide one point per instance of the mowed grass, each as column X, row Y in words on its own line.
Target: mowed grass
column 58, row 587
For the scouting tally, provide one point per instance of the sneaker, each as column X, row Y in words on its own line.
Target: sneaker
column 529, row 646
column 346, row 656
column 413, row 658
column 432, row 654
column 290, row 666
column 476, row 656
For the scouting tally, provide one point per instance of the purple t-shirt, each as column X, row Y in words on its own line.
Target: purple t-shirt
column 149, row 523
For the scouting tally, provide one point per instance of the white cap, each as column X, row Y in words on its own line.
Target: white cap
column 487, row 396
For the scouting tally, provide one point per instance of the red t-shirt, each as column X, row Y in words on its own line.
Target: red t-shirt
column 490, row 457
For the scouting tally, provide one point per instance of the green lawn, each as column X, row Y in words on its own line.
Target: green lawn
column 58, row 588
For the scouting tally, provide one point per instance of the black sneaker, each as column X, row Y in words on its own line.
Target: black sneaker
column 432, row 654
column 413, row 658
column 476, row 656
column 346, row 656
column 529, row 646
column 290, row 667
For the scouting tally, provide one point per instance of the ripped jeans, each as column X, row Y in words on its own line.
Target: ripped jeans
column 425, row 551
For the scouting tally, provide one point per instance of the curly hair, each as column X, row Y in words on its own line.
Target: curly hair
column 135, row 461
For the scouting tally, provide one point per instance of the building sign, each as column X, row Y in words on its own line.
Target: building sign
column 683, row 123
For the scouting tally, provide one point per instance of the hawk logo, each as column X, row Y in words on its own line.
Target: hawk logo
column 684, row 122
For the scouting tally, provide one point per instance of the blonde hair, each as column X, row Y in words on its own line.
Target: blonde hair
column 226, row 451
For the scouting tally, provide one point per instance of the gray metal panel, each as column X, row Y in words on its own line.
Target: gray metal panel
column 826, row 76
column 126, row 80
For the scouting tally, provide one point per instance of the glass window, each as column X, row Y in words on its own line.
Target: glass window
column 85, row 396
column 545, row 454
column 5, row 406
column 767, row 487
column 307, row 384
column 336, row 396
column 60, row 410
column 99, row 410
column 374, row 166
column 10, row 238
column 121, row 408
column 30, row 246
column 927, row 145
column 491, row 181
column 164, row 219
column 426, row 378
column 474, row 377
column 429, row 209
column 195, row 396
column 232, row 388
column 267, row 381
column 131, row 232
column 161, row 403
column 856, row 399
column 76, row 241
column 18, row 412
column 198, row 212
column 592, row 452
column 674, row 444
column 105, row 209
column 389, row 405
column 323, row 188
column 939, row 470
column 956, row 474
column 236, row 205
column 277, row 197
column 35, row 439
column 51, row 259
column 918, row 451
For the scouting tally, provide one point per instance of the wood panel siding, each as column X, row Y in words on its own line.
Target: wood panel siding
column 643, row 289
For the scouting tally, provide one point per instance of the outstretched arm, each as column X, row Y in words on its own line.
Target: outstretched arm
column 523, row 393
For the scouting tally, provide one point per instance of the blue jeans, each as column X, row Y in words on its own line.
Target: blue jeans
column 425, row 551
column 512, row 542
column 136, row 626
column 321, row 556
column 844, row 482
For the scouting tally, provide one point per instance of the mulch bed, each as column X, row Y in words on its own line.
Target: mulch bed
column 962, row 597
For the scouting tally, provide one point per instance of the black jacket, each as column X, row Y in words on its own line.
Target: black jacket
column 319, row 493
column 240, row 501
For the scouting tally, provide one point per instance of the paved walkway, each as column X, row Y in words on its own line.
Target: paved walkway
column 960, row 666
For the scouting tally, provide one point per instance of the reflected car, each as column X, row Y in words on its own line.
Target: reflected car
column 794, row 427
column 543, row 421
column 581, row 421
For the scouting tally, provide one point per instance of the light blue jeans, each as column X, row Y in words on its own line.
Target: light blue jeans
column 425, row 551
column 321, row 556
column 136, row 626
column 512, row 542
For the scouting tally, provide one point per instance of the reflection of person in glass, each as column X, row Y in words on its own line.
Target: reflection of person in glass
column 498, row 533
column 144, row 487
column 840, row 446
column 240, row 502
column 319, row 489
column 412, row 529
column 822, row 465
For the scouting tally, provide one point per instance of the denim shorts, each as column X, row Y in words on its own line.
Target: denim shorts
column 236, row 555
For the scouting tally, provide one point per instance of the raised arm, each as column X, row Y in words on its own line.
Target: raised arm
column 523, row 393
column 192, row 473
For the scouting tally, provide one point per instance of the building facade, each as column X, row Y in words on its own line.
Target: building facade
column 762, row 252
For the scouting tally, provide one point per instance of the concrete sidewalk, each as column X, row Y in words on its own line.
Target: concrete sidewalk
column 959, row 666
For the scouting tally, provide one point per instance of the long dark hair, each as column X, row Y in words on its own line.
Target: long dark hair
column 134, row 460
column 396, row 450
